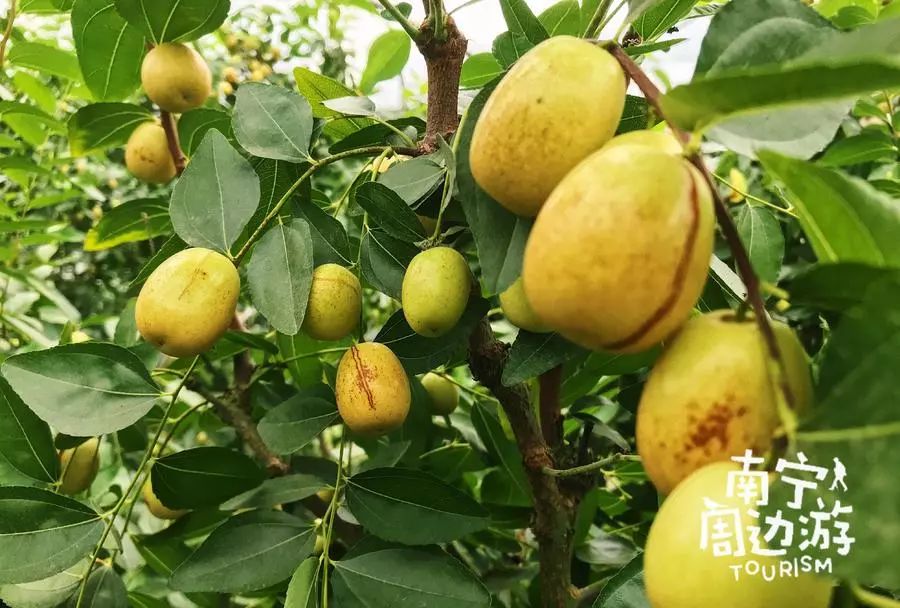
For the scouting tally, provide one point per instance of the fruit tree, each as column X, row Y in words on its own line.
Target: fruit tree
column 544, row 319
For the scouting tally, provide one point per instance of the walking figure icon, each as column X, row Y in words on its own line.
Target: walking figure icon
column 840, row 473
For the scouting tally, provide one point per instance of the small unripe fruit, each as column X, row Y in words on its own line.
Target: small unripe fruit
column 147, row 154
column 518, row 311
column 372, row 389
column 443, row 393
column 709, row 396
column 662, row 141
column 225, row 88
column 157, row 508
column 320, row 544
column 325, row 495
column 739, row 185
column 678, row 573
column 620, row 253
column 560, row 102
column 78, row 466
column 175, row 77
column 334, row 304
column 79, row 336
column 231, row 75
column 435, row 291
column 188, row 302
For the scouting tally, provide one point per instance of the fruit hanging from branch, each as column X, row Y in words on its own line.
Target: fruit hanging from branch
column 147, row 154
column 157, row 508
column 518, row 310
column 372, row 389
column 710, row 396
column 175, row 77
column 78, row 466
column 560, row 102
column 435, row 291
column 616, row 261
column 335, row 303
column 443, row 393
column 188, row 302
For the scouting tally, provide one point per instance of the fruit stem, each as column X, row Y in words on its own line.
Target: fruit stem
column 400, row 18
column 10, row 19
column 168, row 124
column 315, row 166
column 148, row 453
column 726, row 223
column 868, row 598
column 593, row 28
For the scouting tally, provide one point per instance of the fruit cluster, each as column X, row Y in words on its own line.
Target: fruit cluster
column 616, row 260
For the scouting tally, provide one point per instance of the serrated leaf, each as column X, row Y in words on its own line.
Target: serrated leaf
column 250, row 551
column 203, row 477
column 533, row 354
column 193, row 125
column 44, row 58
column 387, row 57
column 412, row 507
column 383, row 261
column 292, row 424
column 86, row 389
column 482, row 68
column 43, row 533
column 132, row 221
column 865, row 147
column 110, row 51
column 277, row 491
column 103, row 125
column 317, row 88
column 302, row 589
column 272, row 122
column 836, row 287
column 215, row 197
column 502, row 450
column 521, row 20
column 625, row 589
column 656, row 20
column 25, row 440
column 413, row 180
column 389, row 212
column 174, row 20
column 329, row 239
column 280, row 275
column 104, row 588
column 760, row 231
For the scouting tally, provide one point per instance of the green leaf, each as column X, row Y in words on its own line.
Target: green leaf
column 419, row 354
column 104, row 125
column 292, row 424
column 277, row 491
column 407, row 577
column 655, row 21
column 522, row 21
column 842, row 65
column 276, row 178
column 868, row 146
column 250, row 551
column 280, row 275
column 836, row 287
column 215, row 197
column 302, row 589
column 43, row 533
column 44, row 58
column 34, row 87
column 25, row 439
column 502, row 449
column 846, row 219
column 389, row 212
column 562, row 19
column 499, row 234
column 110, row 51
column 387, row 57
column 316, row 89
column 863, row 437
column 305, row 371
column 508, row 47
column 379, row 133
column 414, row 180
column 104, row 588
column 203, row 477
column 193, row 125
column 635, row 116
column 383, row 261
column 329, row 239
column 174, row 20
column 272, row 122
column 86, row 389
column 760, row 231
column 412, row 507
column 533, row 354
column 625, row 589
column 168, row 249
column 131, row 221
column 481, row 68
column 48, row 592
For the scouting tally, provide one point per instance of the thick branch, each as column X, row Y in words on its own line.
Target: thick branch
column 168, row 123
column 551, row 418
column 443, row 60
column 726, row 223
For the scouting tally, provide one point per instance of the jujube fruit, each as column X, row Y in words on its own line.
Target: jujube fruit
column 662, row 141
column 518, row 310
column 157, row 508
column 679, row 574
column 435, row 291
column 334, row 304
column 78, row 466
column 710, row 397
column 443, row 393
column 560, row 102
column 372, row 389
column 175, row 77
column 619, row 254
column 147, row 154
column 188, row 302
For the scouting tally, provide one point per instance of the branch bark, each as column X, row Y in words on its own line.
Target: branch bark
column 551, row 418
column 444, row 57
column 168, row 124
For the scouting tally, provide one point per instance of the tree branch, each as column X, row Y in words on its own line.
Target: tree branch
column 551, row 418
column 10, row 20
column 726, row 223
column 168, row 124
column 443, row 61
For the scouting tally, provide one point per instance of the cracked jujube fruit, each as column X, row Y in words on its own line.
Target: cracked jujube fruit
column 561, row 101
column 435, row 291
column 147, row 155
column 372, row 389
column 619, row 254
column 709, row 396
column 188, row 302
column 175, row 77
column 78, row 466
column 678, row 573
